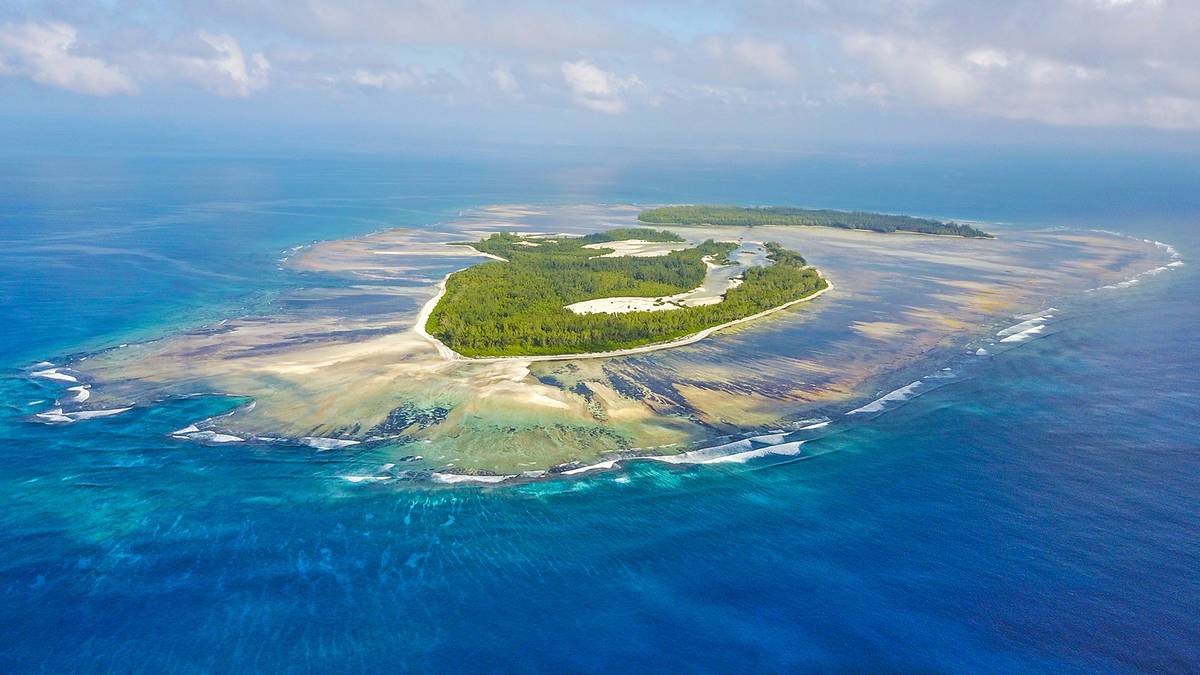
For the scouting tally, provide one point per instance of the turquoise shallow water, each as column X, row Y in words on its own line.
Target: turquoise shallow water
column 1035, row 515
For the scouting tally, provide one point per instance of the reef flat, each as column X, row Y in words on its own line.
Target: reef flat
column 338, row 366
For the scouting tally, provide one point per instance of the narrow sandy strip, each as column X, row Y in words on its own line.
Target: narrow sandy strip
column 451, row 355
column 423, row 318
column 448, row 254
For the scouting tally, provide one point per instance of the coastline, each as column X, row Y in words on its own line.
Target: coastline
column 450, row 355
column 443, row 351
column 520, row 415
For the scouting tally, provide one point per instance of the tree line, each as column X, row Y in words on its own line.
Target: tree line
column 518, row 307
column 752, row 216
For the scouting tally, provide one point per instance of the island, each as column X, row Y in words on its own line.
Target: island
column 755, row 216
column 338, row 364
column 608, row 291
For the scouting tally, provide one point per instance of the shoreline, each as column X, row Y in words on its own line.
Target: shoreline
column 443, row 351
column 515, row 423
column 450, row 355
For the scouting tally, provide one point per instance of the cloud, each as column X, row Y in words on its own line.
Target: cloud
column 406, row 78
column 916, row 68
column 1020, row 85
column 385, row 79
column 224, row 70
column 505, row 81
column 750, row 59
column 597, row 89
column 45, row 53
column 1080, row 63
column 471, row 24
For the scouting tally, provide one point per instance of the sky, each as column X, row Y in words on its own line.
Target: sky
column 763, row 74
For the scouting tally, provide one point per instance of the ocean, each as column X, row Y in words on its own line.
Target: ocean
column 1037, row 515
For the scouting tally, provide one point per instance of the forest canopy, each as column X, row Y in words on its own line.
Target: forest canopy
column 751, row 216
column 517, row 307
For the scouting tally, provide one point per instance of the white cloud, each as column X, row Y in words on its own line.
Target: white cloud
column 1019, row 85
column 225, row 70
column 597, row 89
column 389, row 79
column 396, row 78
column 916, row 67
column 505, row 81
column 45, row 53
column 986, row 57
column 757, row 58
column 1063, row 62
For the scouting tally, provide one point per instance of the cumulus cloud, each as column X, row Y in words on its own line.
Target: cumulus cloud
column 390, row 79
column 47, row 54
column 1019, row 85
column 401, row 78
column 597, row 89
column 1062, row 62
column 505, row 81
column 223, row 68
column 754, row 57
column 472, row 24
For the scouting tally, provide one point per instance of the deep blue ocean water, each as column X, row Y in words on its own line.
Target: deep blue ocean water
column 1039, row 515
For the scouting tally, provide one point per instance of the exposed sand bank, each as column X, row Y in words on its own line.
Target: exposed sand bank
column 717, row 282
column 344, row 362
column 638, row 248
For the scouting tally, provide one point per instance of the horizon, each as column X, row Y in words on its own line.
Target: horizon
column 274, row 394
column 1087, row 74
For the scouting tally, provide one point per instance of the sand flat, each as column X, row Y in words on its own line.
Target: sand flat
column 344, row 362
column 638, row 248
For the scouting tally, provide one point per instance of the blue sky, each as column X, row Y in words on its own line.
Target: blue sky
column 775, row 74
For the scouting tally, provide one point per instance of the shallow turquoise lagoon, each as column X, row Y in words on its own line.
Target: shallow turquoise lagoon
column 1035, row 515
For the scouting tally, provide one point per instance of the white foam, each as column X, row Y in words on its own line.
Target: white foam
column 189, row 429
column 703, row 455
column 1169, row 249
column 981, row 352
column 1123, row 284
column 792, row 448
column 1025, row 334
column 1176, row 260
column 321, row 443
column 1024, row 325
column 772, row 439
column 364, row 479
column 90, row 414
column 599, row 466
column 451, row 478
column 901, row 394
column 55, row 415
column 53, row 374
column 1036, row 315
column 815, row 425
column 213, row 437
column 81, row 394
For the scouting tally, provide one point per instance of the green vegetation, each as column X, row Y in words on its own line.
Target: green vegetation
column 743, row 216
column 518, row 307
column 623, row 233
